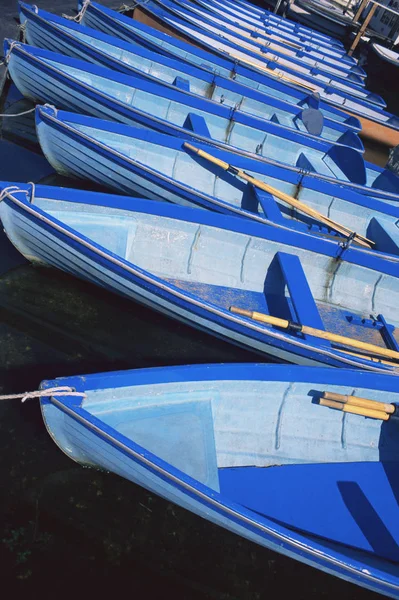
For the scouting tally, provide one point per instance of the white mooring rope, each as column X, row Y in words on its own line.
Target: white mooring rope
column 56, row 391
column 7, row 191
column 80, row 14
column 25, row 112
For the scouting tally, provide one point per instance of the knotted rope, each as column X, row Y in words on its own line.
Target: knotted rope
column 22, row 31
column 7, row 56
column 126, row 7
column 56, row 391
column 7, row 191
column 80, row 14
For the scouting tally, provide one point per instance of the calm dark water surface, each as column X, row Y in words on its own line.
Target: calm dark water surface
column 73, row 524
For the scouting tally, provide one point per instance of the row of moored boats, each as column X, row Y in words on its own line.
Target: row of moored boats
column 240, row 203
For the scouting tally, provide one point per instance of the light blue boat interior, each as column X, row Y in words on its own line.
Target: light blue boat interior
column 206, row 183
column 255, row 138
column 309, row 57
column 224, row 41
column 325, row 81
column 180, row 17
column 227, row 268
column 157, row 67
column 267, row 446
column 315, row 47
column 108, row 21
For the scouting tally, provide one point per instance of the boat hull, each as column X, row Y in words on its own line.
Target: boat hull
column 82, row 435
column 43, row 239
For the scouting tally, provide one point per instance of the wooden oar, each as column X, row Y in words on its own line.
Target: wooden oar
column 374, row 359
column 277, row 75
column 304, row 208
column 361, row 402
column 356, row 410
column 325, row 335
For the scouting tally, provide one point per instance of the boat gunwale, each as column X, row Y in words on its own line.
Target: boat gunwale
column 203, row 493
column 127, row 267
column 204, row 74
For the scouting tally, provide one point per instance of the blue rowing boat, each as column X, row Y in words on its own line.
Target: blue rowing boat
column 221, row 37
column 299, row 53
column 50, row 77
column 256, row 27
column 238, row 46
column 108, row 21
column 201, row 15
column 250, row 448
column 162, row 168
column 367, row 108
column 194, row 265
column 123, row 144
column 282, row 23
column 47, row 31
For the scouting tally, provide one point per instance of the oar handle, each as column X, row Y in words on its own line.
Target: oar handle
column 325, row 335
column 290, row 200
column 268, row 319
column 355, row 410
column 362, row 402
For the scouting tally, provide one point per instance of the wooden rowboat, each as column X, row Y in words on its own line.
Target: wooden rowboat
column 250, row 448
column 377, row 124
column 47, row 31
column 69, row 83
column 256, row 26
column 297, row 55
column 118, row 143
column 162, row 167
column 205, row 269
column 316, row 76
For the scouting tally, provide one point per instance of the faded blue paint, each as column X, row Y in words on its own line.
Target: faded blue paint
column 259, row 416
column 257, row 28
column 209, row 36
column 108, row 21
column 159, row 167
column 47, row 31
column 302, row 56
column 193, row 265
column 73, row 84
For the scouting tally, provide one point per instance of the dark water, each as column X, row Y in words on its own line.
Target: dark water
column 63, row 522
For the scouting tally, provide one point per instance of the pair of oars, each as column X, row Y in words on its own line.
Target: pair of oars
column 290, row 200
column 319, row 333
column 360, row 406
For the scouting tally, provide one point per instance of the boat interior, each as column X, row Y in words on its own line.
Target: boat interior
column 225, row 268
column 271, row 448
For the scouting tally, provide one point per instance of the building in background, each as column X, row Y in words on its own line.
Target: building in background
column 385, row 22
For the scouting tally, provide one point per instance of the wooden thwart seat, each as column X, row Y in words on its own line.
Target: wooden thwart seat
column 303, row 306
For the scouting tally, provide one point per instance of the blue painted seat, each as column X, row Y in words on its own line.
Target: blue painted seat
column 303, row 305
column 197, row 124
column 313, row 120
column 355, row 504
column 269, row 205
column 385, row 233
column 182, row 84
